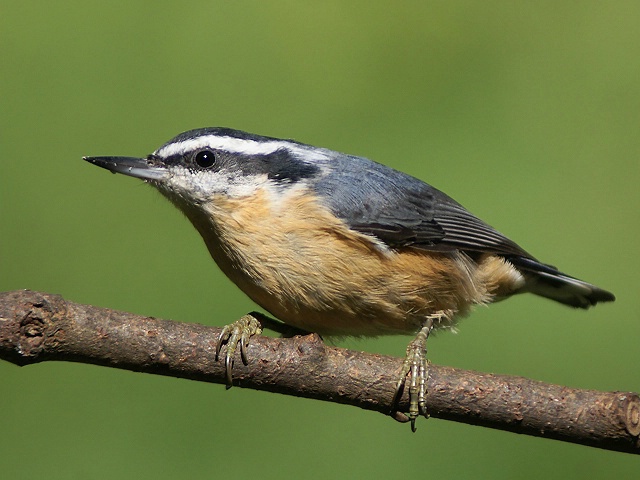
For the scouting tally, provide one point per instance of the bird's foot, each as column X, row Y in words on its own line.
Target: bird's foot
column 233, row 335
column 416, row 364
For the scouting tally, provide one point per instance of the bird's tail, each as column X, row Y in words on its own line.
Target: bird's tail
column 547, row 281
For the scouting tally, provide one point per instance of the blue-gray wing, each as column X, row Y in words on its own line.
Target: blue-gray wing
column 403, row 211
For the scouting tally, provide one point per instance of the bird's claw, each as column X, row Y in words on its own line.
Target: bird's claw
column 234, row 334
column 416, row 364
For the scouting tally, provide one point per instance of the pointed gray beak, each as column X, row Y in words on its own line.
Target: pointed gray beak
column 145, row 169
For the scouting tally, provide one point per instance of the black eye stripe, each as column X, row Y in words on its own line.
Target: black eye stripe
column 205, row 158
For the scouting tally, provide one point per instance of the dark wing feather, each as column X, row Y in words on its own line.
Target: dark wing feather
column 403, row 211
column 465, row 231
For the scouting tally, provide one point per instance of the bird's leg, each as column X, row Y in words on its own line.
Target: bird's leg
column 234, row 334
column 285, row 330
column 417, row 365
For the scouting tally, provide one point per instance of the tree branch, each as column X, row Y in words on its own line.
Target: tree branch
column 36, row 327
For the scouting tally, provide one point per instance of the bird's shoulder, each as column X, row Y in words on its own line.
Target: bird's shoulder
column 402, row 211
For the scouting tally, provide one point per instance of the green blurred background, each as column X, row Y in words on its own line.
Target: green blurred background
column 525, row 112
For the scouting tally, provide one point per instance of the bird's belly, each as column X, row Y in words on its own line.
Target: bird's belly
column 311, row 271
column 349, row 293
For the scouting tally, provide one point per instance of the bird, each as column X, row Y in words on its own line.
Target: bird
column 341, row 245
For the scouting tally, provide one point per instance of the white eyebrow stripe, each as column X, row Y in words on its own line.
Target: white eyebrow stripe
column 239, row 145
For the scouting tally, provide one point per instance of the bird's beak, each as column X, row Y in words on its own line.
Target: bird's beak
column 146, row 169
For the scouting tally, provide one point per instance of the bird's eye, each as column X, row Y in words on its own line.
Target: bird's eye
column 205, row 159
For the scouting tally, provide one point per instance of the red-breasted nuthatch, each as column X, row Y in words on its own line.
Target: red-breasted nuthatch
column 340, row 245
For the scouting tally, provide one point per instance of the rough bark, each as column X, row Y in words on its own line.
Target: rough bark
column 37, row 327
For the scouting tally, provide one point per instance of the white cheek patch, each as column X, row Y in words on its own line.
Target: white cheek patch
column 202, row 185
